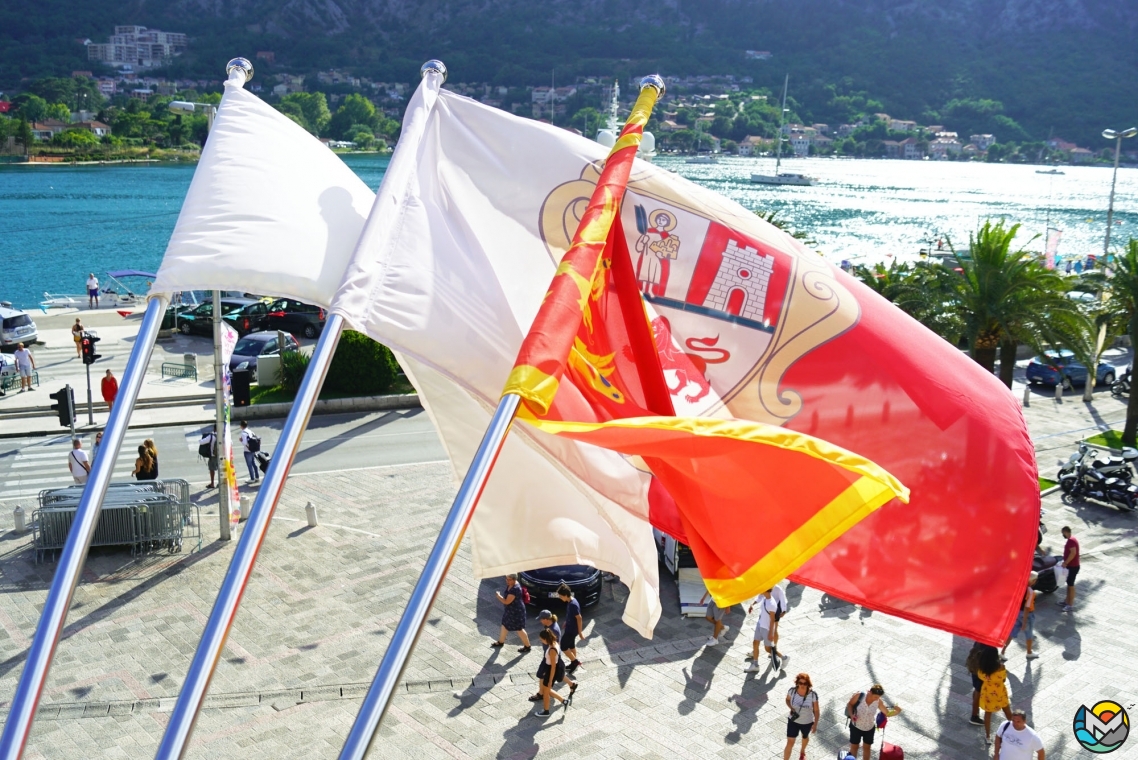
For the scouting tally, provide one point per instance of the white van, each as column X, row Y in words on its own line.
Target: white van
column 16, row 327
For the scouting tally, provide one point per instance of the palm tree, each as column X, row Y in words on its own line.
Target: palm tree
column 1124, row 300
column 1006, row 298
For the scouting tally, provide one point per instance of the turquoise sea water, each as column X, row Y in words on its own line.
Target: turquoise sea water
column 58, row 223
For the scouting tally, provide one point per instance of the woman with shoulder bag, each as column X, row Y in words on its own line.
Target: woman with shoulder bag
column 803, row 703
column 551, row 672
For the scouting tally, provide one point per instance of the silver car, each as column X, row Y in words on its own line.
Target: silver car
column 16, row 327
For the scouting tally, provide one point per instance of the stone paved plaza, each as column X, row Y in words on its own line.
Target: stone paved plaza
column 319, row 611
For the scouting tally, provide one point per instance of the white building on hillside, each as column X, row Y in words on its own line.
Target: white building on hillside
column 133, row 46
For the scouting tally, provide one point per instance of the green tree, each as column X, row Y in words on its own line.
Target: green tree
column 30, row 106
column 1123, row 304
column 1006, row 298
column 60, row 112
column 356, row 109
column 312, row 106
column 76, row 138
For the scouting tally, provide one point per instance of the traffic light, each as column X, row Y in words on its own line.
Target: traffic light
column 87, row 342
column 64, row 406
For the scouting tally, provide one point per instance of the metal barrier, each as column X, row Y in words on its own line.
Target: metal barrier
column 11, row 382
column 145, row 515
column 170, row 369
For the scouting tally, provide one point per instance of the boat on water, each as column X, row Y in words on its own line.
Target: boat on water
column 608, row 134
column 781, row 177
column 112, row 294
column 1049, row 171
column 704, row 159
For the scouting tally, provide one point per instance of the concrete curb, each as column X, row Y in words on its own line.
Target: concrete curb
column 361, row 404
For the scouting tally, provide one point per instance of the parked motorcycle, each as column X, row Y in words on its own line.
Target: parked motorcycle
column 1121, row 386
column 1110, row 465
column 1081, row 477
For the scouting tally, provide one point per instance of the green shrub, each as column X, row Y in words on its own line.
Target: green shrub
column 361, row 366
column 293, row 366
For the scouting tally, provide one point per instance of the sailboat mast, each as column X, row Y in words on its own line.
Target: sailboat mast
column 781, row 121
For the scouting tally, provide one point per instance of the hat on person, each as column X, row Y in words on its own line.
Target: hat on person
column 545, row 615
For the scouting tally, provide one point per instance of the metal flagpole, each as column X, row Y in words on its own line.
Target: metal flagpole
column 427, row 588
column 32, row 680
column 190, row 698
column 181, row 725
column 438, row 563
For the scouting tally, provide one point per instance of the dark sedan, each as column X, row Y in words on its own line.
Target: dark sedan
column 295, row 317
column 199, row 320
column 584, row 581
column 249, row 319
column 1056, row 367
column 252, row 347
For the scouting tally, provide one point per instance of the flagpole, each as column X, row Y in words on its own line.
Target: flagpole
column 446, row 546
column 28, row 691
column 430, row 581
column 182, row 719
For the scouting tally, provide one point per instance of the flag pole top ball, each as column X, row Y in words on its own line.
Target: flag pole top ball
column 242, row 65
column 653, row 80
column 434, row 65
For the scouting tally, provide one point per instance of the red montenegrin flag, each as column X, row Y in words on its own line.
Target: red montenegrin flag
column 753, row 500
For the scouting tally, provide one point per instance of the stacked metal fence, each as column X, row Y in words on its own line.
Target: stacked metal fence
column 147, row 516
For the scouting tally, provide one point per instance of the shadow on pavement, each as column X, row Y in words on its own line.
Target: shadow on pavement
column 308, row 452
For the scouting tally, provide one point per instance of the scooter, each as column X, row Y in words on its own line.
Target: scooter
column 1112, row 466
column 1121, row 386
column 1085, row 481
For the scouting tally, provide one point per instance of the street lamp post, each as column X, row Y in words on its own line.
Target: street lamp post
column 223, row 505
column 1117, row 136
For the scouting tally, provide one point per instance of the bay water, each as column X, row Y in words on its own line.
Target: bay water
column 57, row 222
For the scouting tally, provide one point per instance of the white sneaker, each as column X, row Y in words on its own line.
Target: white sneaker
column 711, row 641
column 752, row 668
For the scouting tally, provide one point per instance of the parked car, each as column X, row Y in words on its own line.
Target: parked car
column 250, row 318
column 199, row 320
column 16, row 327
column 252, row 347
column 584, row 581
column 295, row 317
column 1055, row 367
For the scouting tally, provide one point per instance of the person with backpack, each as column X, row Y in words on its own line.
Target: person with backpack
column 804, row 713
column 972, row 662
column 994, row 694
column 514, row 616
column 763, row 628
column 552, row 671
column 207, row 450
column 1015, row 740
column 862, row 710
column 250, row 445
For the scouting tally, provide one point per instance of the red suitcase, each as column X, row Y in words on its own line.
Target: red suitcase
column 891, row 752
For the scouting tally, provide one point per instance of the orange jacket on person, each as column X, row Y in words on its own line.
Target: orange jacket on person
column 110, row 389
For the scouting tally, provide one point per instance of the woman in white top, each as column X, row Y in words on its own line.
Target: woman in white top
column 803, row 703
column 862, row 711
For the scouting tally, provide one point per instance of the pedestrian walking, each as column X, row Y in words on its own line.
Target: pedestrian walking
column 763, row 627
column 804, row 713
column 97, row 444
column 973, row 664
column 92, row 291
column 782, row 606
column 1025, row 621
column 862, row 712
column 145, row 467
column 25, row 364
column 1015, row 740
column 110, row 389
column 1071, row 555
column 77, row 331
column 714, row 615
column 207, row 450
column 574, row 627
column 250, row 455
column 152, row 449
column 78, row 463
column 994, row 694
column 549, row 622
column 552, row 672
column 514, row 616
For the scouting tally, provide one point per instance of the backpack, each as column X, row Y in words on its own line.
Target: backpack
column 205, row 448
column 263, row 461
column 525, row 595
column 851, row 712
column 253, row 442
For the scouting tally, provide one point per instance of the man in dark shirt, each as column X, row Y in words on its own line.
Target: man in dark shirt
column 1071, row 555
column 574, row 627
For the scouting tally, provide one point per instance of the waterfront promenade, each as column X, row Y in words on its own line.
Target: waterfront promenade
column 323, row 601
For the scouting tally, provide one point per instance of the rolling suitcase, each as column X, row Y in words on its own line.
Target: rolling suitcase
column 888, row 751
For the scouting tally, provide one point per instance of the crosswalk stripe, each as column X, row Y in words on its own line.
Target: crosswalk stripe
column 66, row 479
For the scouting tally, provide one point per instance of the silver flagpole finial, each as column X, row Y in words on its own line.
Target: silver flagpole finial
column 242, row 65
column 434, row 65
column 653, row 80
